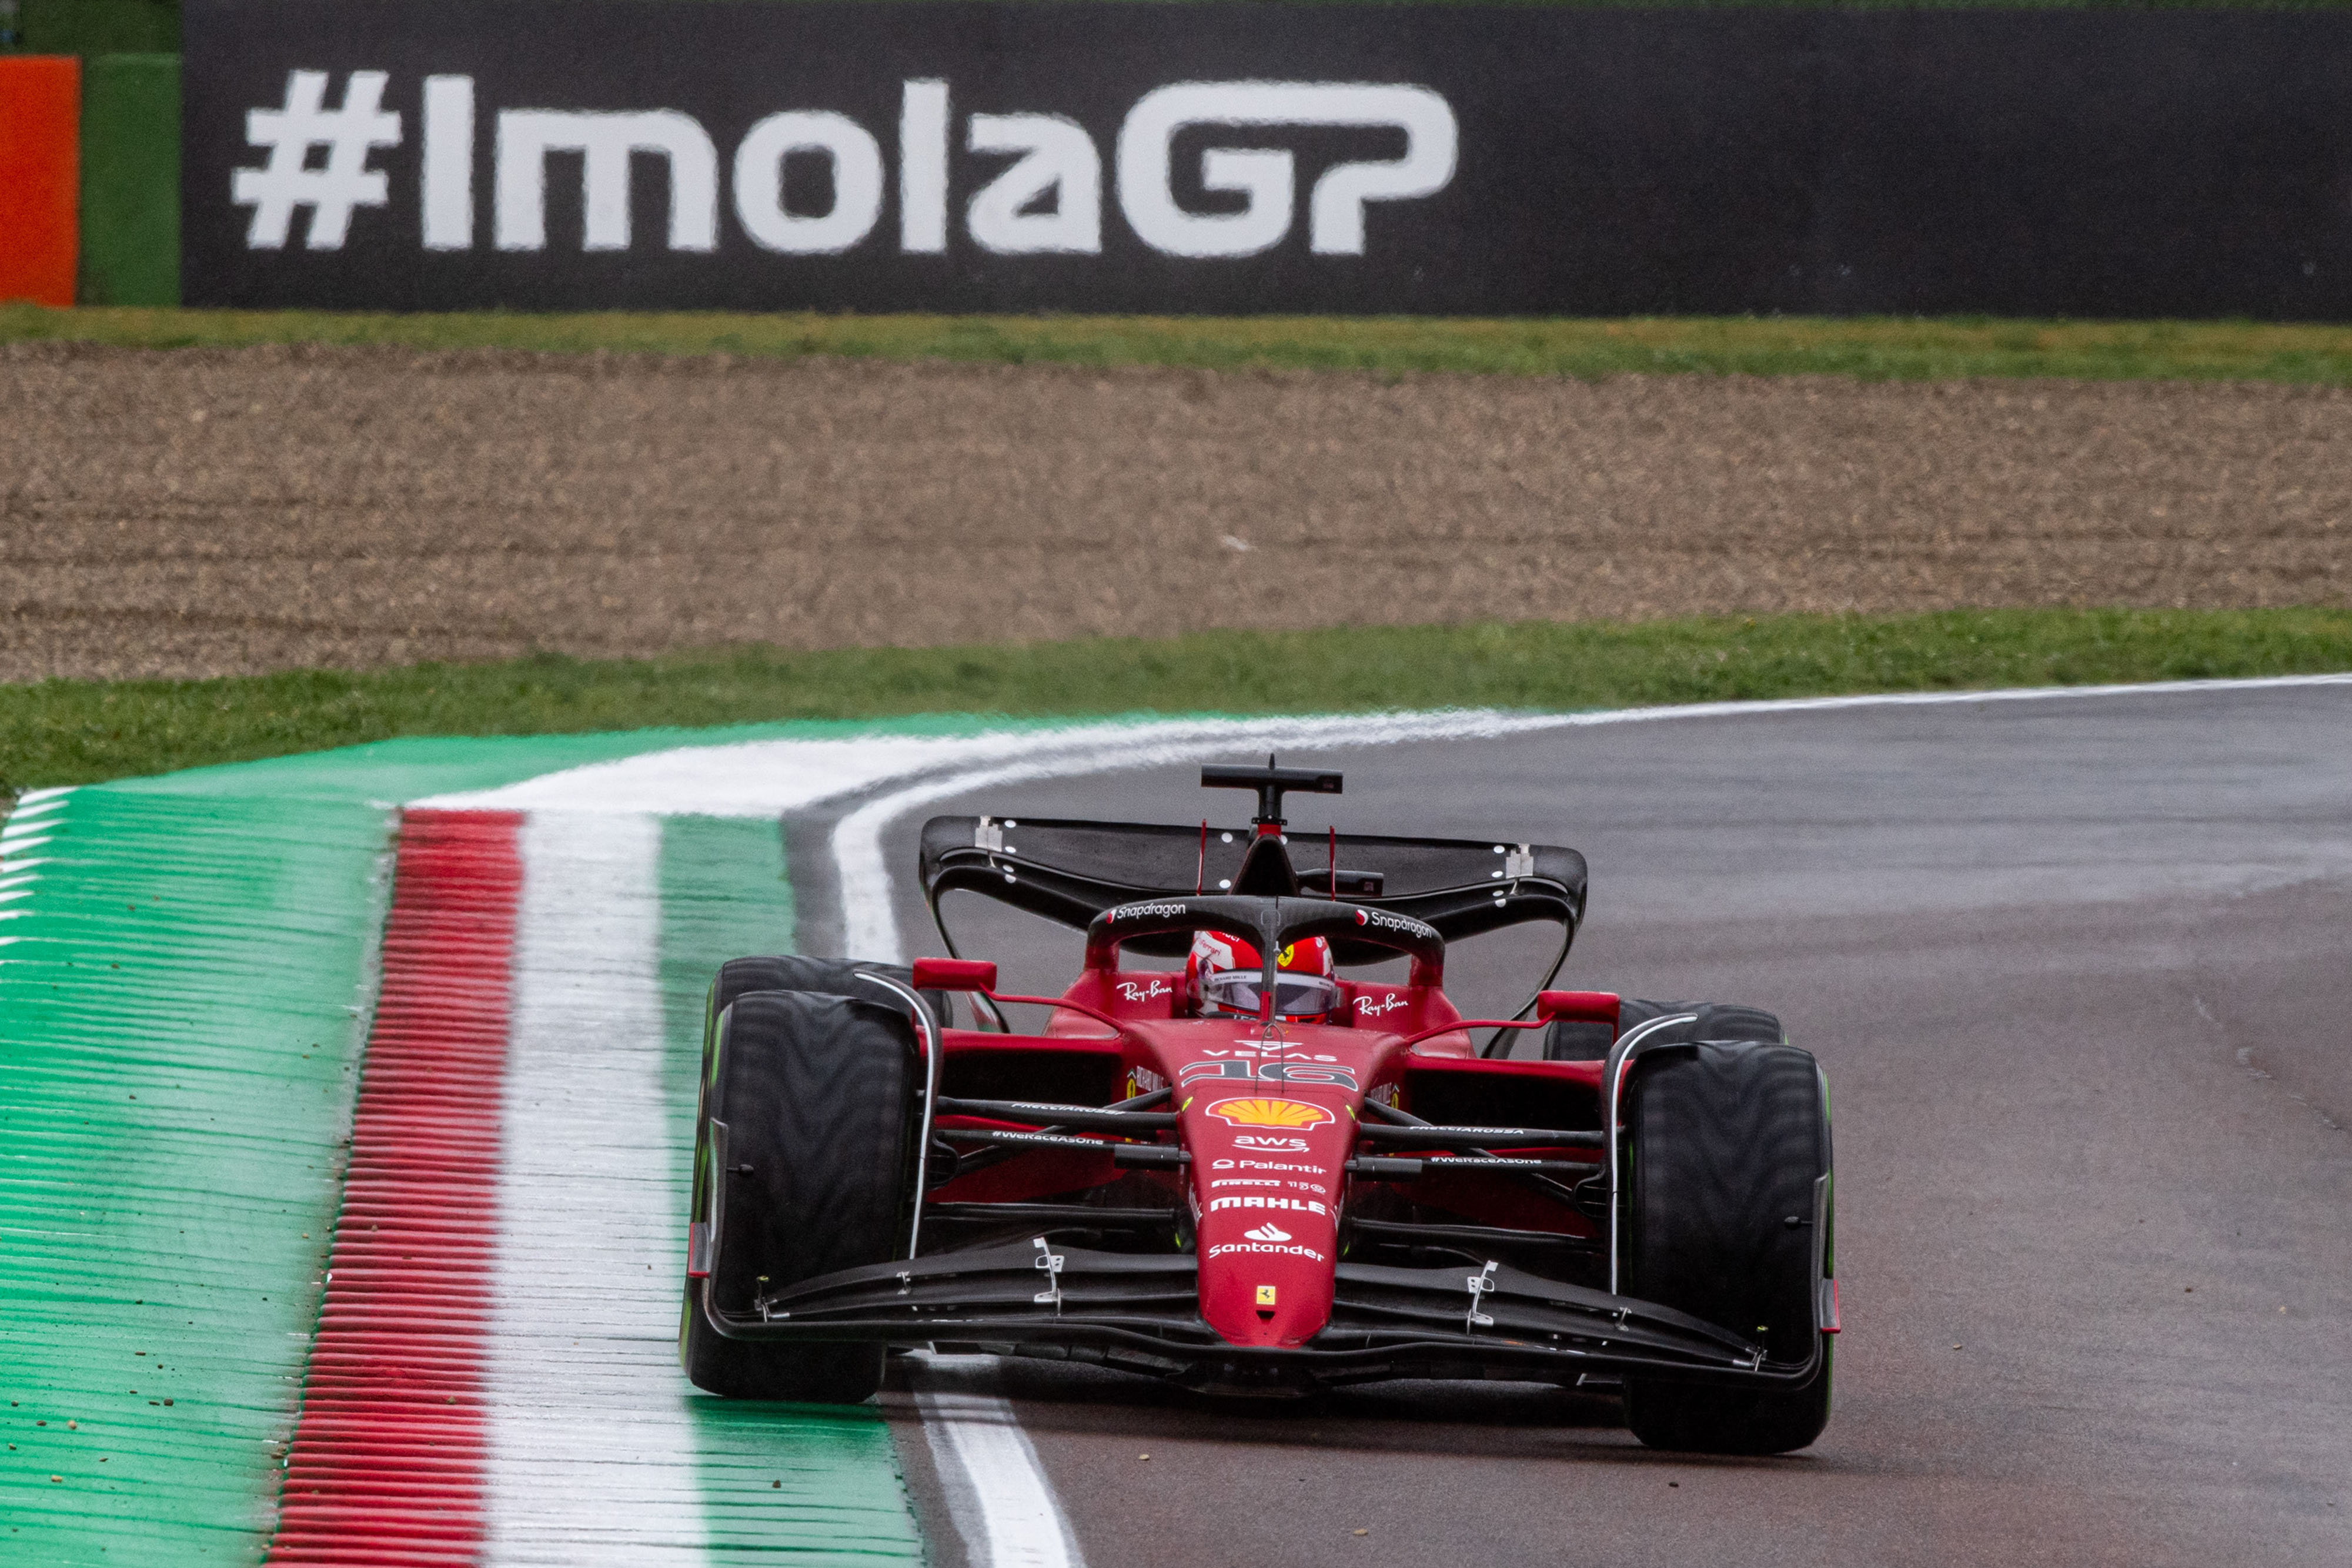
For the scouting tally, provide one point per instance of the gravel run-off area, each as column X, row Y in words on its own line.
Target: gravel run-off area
column 204, row 512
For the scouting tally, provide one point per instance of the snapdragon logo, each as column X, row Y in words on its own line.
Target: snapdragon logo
column 1049, row 199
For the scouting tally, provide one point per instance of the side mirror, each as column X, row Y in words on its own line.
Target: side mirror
column 1578, row 1007
column 962, row 975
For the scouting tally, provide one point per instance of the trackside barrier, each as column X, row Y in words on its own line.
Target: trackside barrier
column 40, row 116
column 90, row 179
column 129, row 181
column 1416, row 159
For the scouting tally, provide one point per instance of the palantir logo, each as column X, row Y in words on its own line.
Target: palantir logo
column 1047, row 201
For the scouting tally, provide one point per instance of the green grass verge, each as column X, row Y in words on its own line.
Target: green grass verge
column 66, row 732
column 1871, row 348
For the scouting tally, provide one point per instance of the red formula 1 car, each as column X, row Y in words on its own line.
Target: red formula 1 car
column 1280, row 1187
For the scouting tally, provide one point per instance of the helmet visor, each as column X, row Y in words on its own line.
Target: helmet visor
column 1295, row 995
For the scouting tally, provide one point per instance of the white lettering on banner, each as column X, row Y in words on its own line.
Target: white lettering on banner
column 1058, row 156
column 448, row 198
column 923, row 168
column 287, row 182
column 856, row 160
column 1220, row 1252
column 1266, row 178
column 526, row 136
column 1049, row 201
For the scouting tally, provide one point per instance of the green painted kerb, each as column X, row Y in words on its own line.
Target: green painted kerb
column 185, row 968
column 181, row 992
column 778, row 1481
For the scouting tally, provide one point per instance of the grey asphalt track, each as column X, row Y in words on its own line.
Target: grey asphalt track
column 2081, row 975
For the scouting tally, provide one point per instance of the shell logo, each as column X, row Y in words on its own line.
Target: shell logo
column 1269, row 1114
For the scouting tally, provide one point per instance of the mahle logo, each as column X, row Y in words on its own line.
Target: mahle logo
column 1049, row 201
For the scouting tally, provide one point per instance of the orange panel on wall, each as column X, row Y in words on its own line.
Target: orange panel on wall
column 40, row 176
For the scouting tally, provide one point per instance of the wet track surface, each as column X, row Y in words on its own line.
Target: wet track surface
column 2081, row 975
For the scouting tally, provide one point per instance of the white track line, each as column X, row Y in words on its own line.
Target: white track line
column 591, row 1454
column 767, row 777
column 592, row 1449
column 997, row 1491
column 870, row 920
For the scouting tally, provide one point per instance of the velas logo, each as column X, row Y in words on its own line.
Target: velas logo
column 1269, row 1231
column 1292, row 1114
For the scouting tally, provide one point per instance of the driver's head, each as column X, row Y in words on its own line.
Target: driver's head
column 1226, row 975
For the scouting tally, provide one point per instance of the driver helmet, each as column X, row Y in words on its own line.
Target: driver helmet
column 1224, row 973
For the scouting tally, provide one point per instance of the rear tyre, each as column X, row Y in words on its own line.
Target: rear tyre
column 1727, row 1140
column 818, row 1093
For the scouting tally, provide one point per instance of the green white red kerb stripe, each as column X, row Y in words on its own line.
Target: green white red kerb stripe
column 523, row 1128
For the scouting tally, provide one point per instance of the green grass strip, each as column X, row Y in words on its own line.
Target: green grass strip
column 180, row 1030
column 59, row 732
column 822, row 1485
column 1871, row 348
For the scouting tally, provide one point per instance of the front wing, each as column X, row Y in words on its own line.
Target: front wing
column 1139, row 1312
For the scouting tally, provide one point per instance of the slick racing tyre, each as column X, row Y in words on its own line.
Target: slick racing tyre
column 824, row 976
column 1726, row 1141
column 818, row 1093
column 1570, row 1040
column 790, row 972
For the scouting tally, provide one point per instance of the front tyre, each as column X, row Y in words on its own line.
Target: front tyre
column 817, row 1095
column 1727, row 1140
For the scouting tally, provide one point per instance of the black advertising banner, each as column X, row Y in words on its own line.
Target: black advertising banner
column 566, row 154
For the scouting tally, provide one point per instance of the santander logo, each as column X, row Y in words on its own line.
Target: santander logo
column 1269, row 1231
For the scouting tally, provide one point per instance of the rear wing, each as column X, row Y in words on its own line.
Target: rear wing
column 1070, row 871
